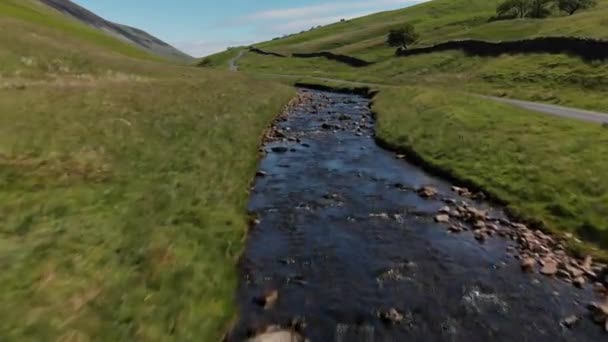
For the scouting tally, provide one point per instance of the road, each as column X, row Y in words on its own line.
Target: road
column 560, row 111
column 565, row 112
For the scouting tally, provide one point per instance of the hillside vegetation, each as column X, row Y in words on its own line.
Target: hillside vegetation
column 438, row 21
column 123, row 183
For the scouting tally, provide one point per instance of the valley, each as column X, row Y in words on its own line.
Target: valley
column 320, row 186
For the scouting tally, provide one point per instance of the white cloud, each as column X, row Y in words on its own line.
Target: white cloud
column 323, row 9
column 305, row 24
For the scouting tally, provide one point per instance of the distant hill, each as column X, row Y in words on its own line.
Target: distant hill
column 126, row 33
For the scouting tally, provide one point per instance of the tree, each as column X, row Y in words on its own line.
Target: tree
column 402, row 37
column 540, row 8
column 571, row 6
column 513, row 9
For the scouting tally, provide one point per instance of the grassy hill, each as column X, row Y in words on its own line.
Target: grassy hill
column 123, row 183
column 438, row 21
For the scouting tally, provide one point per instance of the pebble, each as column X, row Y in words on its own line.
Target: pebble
column 549, row 269
column 442, row 218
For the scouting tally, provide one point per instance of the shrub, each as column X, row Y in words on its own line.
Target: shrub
column 402, row 37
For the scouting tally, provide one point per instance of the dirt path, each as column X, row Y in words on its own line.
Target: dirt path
column 233, row 63
column 345, row 248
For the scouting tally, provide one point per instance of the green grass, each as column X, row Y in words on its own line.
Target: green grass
column 545, row 168
column 556, row 79
column 123, row 206
column 123, row 183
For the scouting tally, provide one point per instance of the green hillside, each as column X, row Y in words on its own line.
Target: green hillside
column 123, row 183
column 33, row 12
column 438, row 21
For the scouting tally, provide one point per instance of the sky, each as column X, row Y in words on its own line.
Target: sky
column 203, row 27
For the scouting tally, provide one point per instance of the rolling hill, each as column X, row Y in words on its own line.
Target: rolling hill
column 438, row 21
column 130, row 34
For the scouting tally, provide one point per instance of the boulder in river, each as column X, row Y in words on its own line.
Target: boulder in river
column 442, row 218
column 570, row 321
column 268, row 300
column 279, row 149
column 579, row 282
column 277, row 335
column 599, row 313
column 527, row 264
column 392, row 316
column 480, row 236
column 427, row 192
column 444, row 210
column 261, row 174
column 550, row 268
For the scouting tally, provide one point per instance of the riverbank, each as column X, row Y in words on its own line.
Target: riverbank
column 545, row 169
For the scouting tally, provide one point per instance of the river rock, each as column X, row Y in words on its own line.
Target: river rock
column 579, row 282
column 279, row 149
column 268, row 300
column 261, row 174
column 461, row 191
column 549, row 268
column 527, row 264
column 480, row 236
column 442, row 218
column 570, row 321
column 455, row 228
column 427, row 192
column 574, row 272
column 476, row 214
column 479, row 225
column 599, row 312
column 392, row 316
column 278, row 336
column 444, row 210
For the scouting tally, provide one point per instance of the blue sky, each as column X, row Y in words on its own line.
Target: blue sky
column 202, row 27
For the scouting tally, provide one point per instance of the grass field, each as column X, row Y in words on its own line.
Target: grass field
column 556, row 79
column 545, row 168
column 123, row 183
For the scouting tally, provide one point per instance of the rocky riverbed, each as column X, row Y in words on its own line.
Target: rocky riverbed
column 352, row 243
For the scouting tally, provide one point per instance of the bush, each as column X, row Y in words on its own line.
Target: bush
column 571, row 6
column 511, row 9
column 205, row 62
column 402, row 37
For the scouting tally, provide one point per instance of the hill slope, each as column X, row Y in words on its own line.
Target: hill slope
column 123, row 184
column 126, row 33
column 438, row 21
